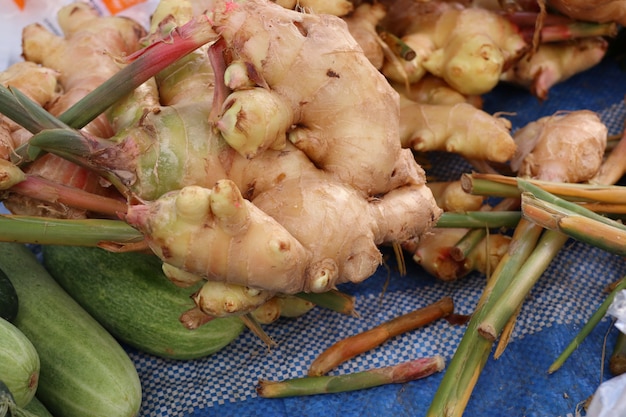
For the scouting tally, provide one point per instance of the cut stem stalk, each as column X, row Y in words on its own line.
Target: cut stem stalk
column 606, row 234
column 468, row 242
column 587, row 328
column 507, row 332
column 546, row 196
column 473, row 351
column 504, row 186
column 25, row 112
column 81, row 232
column 396, row 374
column 479, row 219
column 362, row 342
column 333, row 300
column 510, row 299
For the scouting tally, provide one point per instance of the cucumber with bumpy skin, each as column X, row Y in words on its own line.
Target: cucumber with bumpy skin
column 84, row 370
column 129, row 294
column 19, row 363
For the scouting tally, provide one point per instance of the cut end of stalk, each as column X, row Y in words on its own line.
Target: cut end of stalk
column 332, row 300
column 418, row 369
column 487, row 331
column 269, row 389
column 10, row 175
column 194, row 318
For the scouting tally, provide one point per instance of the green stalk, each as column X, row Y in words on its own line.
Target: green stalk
column 467, row 243
column 83, row 232
column 477, row 185
column 560, row 202
column 398, row 46
column 471, row 239
column 396, row 374
column 145, row 64
column 479, row 219
column 333, row 300
column 602, row 233
column 25, row 112
column 473, row 351
column 509, row 300
column 506, row 186
column 587, row 328
column 74, row 146
column 28, row 114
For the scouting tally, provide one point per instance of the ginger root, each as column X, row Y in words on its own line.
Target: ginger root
column 267, row 161
column 458, row 128
column 564, row 147
column 362, row 24
column 555, row 62
column 468, row 47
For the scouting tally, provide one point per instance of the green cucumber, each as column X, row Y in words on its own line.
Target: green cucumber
column 36, row 408
column 8, row 298
column 7, row 402
column 84, row 370
column 129, row 294
column 19, row 363
column 8, row 407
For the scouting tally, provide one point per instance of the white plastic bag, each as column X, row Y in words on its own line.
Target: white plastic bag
column 609, row 400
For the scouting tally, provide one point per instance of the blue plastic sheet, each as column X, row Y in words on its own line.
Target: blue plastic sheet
column 517, row 384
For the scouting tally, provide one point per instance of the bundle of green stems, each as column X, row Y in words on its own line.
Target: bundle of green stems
column 550, row 214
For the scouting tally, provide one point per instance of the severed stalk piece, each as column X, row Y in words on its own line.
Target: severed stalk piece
column 362, row 342
column 76, row 232
column 479, row 219
column 505, row 186
column 396, row 374
column 509, row 301
column 333, row 300
column 595, row 318
column 473, row 351
column 609, row 236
